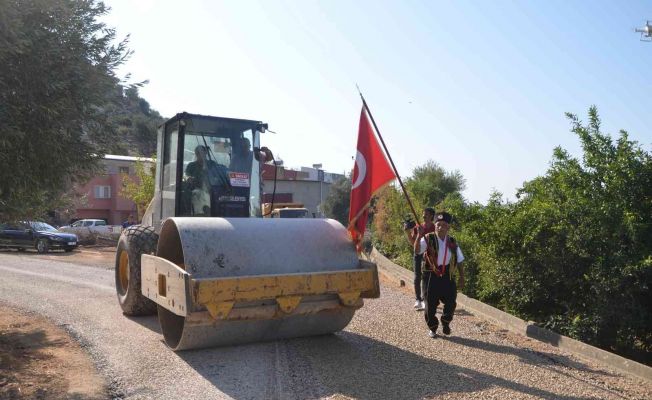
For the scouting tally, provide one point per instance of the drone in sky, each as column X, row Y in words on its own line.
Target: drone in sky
column 645, row 31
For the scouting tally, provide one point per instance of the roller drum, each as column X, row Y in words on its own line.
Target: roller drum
column 215, row 248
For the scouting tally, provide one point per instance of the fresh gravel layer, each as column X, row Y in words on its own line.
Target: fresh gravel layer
column 386, row 353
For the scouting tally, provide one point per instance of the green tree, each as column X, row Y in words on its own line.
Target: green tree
column 336, row 204
column 389, row 212
column 595, row 216
column 430, row 184
column 574, row 253
column 141, row 189
column 57, row 78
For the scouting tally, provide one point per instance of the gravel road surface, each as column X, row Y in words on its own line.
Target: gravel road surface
column 385, row 353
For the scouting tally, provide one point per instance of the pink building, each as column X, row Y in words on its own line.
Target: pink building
column 103, row 200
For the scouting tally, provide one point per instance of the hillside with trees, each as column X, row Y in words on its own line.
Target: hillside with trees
column 135, row 124
column 62, row 105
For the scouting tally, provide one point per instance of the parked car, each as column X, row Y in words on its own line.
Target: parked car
column 96, row 226
column 33, row 234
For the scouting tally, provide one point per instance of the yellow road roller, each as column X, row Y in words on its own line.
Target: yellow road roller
column 215, row 272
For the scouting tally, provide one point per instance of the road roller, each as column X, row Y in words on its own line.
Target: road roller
column 214, row 271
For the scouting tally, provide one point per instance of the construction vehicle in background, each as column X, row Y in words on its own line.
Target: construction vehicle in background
column 204, row 263
column 288, row 212
column 285, row 210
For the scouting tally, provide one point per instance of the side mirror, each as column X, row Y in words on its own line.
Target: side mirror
column 262, row 128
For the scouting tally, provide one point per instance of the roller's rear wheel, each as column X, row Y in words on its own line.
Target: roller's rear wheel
column 134, row 241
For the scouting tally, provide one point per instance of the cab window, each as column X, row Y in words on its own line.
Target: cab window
column 217, row 170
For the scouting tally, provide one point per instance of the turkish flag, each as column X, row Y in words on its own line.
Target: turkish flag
column 371, row 173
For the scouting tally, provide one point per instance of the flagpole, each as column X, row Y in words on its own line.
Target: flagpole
column 407, row 197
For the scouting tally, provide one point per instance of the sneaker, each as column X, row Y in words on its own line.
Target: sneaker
column 432, row 334
column 423, row 305
column 446, row 329
column 417, row 305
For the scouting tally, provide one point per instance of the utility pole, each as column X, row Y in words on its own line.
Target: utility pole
column 320, row 178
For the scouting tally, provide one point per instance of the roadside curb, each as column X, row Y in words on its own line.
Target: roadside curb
column 402, row 277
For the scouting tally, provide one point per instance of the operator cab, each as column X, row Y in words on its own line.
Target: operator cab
column 209, row 168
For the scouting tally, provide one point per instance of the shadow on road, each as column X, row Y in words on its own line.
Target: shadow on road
column 150, row 322
column 526, row 356
column 351, row 365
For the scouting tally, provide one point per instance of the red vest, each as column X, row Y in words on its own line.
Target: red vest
column 451, row 245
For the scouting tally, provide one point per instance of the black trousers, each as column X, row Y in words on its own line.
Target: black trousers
column 439, row 289
column 418, row 282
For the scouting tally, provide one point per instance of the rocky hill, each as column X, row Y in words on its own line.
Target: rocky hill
column 134, row 123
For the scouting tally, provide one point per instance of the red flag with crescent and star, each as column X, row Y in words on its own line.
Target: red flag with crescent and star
column 371, row 173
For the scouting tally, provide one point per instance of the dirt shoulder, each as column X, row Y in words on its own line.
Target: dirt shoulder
column 39, row 360
column 101, row 256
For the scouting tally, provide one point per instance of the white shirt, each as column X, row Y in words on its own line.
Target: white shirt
column 440, row 254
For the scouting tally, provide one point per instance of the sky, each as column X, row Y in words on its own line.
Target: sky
column 479, row 87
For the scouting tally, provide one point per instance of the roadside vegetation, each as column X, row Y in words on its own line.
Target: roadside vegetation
column 140, row 189
column 572, row 253
column 336, row 204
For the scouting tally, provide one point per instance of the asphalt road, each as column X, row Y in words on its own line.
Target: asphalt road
column 385, row 353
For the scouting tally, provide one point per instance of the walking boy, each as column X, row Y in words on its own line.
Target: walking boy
column 442, row 259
